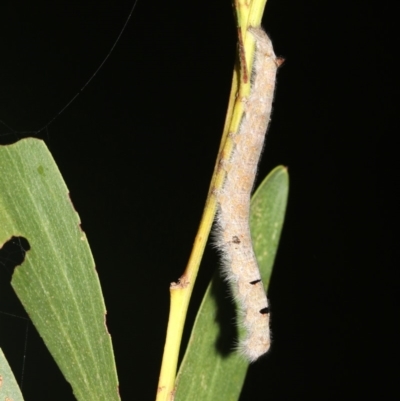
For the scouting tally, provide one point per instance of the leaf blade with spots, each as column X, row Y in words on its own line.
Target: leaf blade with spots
column 57, row 283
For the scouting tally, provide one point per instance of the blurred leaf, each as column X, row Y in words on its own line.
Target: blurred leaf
column 211, row 369
column 9, row 389
column 57, row 283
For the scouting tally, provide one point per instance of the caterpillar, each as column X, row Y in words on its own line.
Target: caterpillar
column 233, row 238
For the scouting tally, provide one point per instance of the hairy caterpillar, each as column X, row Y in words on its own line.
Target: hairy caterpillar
column 233, row 237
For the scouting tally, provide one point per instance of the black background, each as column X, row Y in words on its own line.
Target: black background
column 137, row 150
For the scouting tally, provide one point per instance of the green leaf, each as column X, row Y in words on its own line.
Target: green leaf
column 211, row 369
column 9, row 389
column 57, row 283
column 268, row 207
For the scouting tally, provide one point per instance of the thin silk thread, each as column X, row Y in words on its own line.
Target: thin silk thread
column 233, row 237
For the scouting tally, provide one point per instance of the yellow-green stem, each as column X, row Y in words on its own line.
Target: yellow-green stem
column 249, row 13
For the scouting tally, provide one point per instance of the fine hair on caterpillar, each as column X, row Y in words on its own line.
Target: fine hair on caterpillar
column 233, row 237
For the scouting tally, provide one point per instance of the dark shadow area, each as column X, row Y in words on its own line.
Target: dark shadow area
column 12, row 254
column 226, row 316
column 9, row 137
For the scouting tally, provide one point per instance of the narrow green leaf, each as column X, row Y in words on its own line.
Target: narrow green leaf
column 211, row 369
column 9, row 389
column 268, row 207
column 57, row 283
